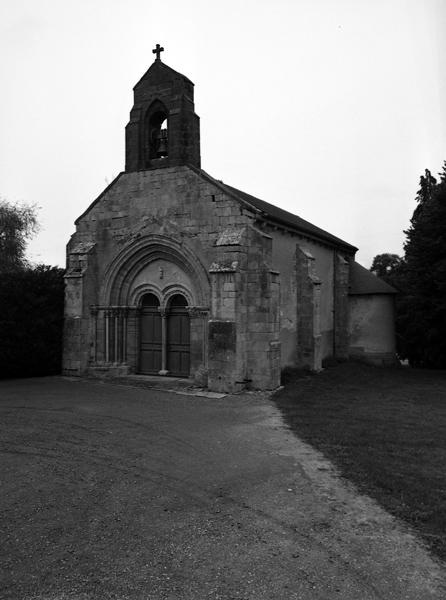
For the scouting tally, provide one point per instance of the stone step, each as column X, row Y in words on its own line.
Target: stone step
column 177, row 385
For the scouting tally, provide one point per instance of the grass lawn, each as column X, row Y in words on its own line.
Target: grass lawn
column 385, row 430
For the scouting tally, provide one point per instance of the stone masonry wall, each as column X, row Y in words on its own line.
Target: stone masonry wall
column 175, row 203
column 244, row 330
column 238, row 300
column 263, row 321
column 284, row 248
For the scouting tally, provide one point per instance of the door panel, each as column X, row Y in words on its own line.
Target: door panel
column 178, row 343
column 151, row 341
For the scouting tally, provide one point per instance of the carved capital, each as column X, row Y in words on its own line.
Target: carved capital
column 224, row 267
column 198, row 312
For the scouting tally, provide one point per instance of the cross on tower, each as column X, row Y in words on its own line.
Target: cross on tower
column 158, row 51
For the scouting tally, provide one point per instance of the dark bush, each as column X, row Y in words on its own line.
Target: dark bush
column 31, row 321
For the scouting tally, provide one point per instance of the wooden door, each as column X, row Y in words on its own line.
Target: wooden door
column 150, row 336
column 178, row 337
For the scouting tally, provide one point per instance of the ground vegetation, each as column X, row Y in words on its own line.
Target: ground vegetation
column 385, row 430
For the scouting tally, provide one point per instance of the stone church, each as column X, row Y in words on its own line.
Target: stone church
column 172, row 272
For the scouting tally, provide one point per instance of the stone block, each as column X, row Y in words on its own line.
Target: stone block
column 222, row 338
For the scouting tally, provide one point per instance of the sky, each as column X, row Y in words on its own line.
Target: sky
column 330, row 109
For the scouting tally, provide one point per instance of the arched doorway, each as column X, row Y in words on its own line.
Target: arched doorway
column 164, row 337
column 178, row 337
column 150, row 355
column 164, row 267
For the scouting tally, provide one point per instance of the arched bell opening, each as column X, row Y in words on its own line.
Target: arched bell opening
column 156, row 143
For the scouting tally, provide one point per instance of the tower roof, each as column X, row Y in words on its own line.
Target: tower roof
column 159, row 72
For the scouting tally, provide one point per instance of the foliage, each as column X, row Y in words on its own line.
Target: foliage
column 17, row 224
column 388, row 267
column 423, row 308
column 420, row 278
column 31, row 320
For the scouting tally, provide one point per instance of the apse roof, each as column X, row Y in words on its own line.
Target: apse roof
column 363, row 281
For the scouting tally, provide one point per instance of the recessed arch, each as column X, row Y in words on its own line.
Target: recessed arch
column 122, row 271
column 176, row 290
column 140, row 291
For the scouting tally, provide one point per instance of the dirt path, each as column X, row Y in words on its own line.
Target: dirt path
column 117, row 492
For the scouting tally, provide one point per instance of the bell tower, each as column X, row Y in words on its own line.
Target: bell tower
column 163, row 130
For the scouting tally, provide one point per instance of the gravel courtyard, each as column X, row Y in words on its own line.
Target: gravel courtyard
column 113, row 491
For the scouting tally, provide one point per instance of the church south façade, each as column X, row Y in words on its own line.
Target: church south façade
column 172, row 272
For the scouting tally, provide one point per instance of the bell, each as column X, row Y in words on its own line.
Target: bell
column 162, row 147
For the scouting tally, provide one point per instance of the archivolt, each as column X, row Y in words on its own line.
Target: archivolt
column 128, row 263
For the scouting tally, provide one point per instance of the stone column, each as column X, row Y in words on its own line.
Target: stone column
column 124, row 315
column 94, row 311
column 116, row 335
column 107, row 314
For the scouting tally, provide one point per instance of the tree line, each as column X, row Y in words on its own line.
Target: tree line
column 420, row 278
column 31, row 300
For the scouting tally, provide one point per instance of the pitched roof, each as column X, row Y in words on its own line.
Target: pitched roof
column 281, row 216
column 363, row 281
column 159, row 71
column 274, row 213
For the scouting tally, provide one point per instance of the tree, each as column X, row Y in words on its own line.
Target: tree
column 423, row 307
column 388, row 267
column 420, row 278
column 17, row 224
column 31, row 300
